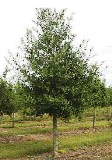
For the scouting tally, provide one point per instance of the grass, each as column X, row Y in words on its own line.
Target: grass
column 80, row 125
column 17, row 150
column 33, row 127
column 66, row 143
column 74, row 142
column 42, row 126
column 102, row 113
column 25, row 131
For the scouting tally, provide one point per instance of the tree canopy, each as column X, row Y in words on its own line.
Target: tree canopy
column 56, row 74
column 7, row 98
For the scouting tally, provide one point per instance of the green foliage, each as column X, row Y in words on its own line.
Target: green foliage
column 55, row 74
column 109, row 96
column 97, row 90
column 24, row 101
column 7, row 98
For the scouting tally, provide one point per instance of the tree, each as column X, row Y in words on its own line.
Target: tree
column 3, row 99
column 56, row 74
column 97, row 92
column 108, row 115
column 8, row 101
column 24, row 100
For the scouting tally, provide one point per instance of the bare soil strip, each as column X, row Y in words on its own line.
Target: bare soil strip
column 47, row 136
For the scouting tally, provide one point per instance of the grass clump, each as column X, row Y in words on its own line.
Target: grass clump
column 22, row 149
column 72, row 142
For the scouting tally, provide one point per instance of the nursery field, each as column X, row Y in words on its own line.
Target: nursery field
column 52, row 76
column 32, row 139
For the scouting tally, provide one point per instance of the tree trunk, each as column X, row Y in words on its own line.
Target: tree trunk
column 109, row 114
column 1, row 119
column 13, row 120
column 35, row 114
column 94, row 117
column 1, row 116
column 55, row 137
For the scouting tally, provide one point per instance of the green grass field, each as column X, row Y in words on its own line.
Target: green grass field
column 76, row 138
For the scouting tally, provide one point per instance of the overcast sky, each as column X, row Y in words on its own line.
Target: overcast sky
column 92, row 20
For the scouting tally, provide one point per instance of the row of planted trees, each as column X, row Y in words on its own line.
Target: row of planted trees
column 8, row 99
column 56, row 76
column 13, row 99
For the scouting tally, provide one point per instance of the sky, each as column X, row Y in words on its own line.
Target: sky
column 92, row 21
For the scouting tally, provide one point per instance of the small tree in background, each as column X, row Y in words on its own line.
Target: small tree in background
column 55, row 74
column 3, row 97
column 108, row 114
column 26, row 104
column 8, row 103
column 97, row 92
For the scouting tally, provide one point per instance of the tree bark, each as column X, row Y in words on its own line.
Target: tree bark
column 13, row 120
column 55, row 137
column 109, row 114
column 94, row 117
column 1, row 116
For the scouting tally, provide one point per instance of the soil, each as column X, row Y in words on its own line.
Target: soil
column 20, row 138
column 103, row 152
column 47, row 136
column 86, row 153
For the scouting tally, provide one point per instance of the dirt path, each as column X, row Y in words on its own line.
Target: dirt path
column 23, row 138
column 47, row 136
